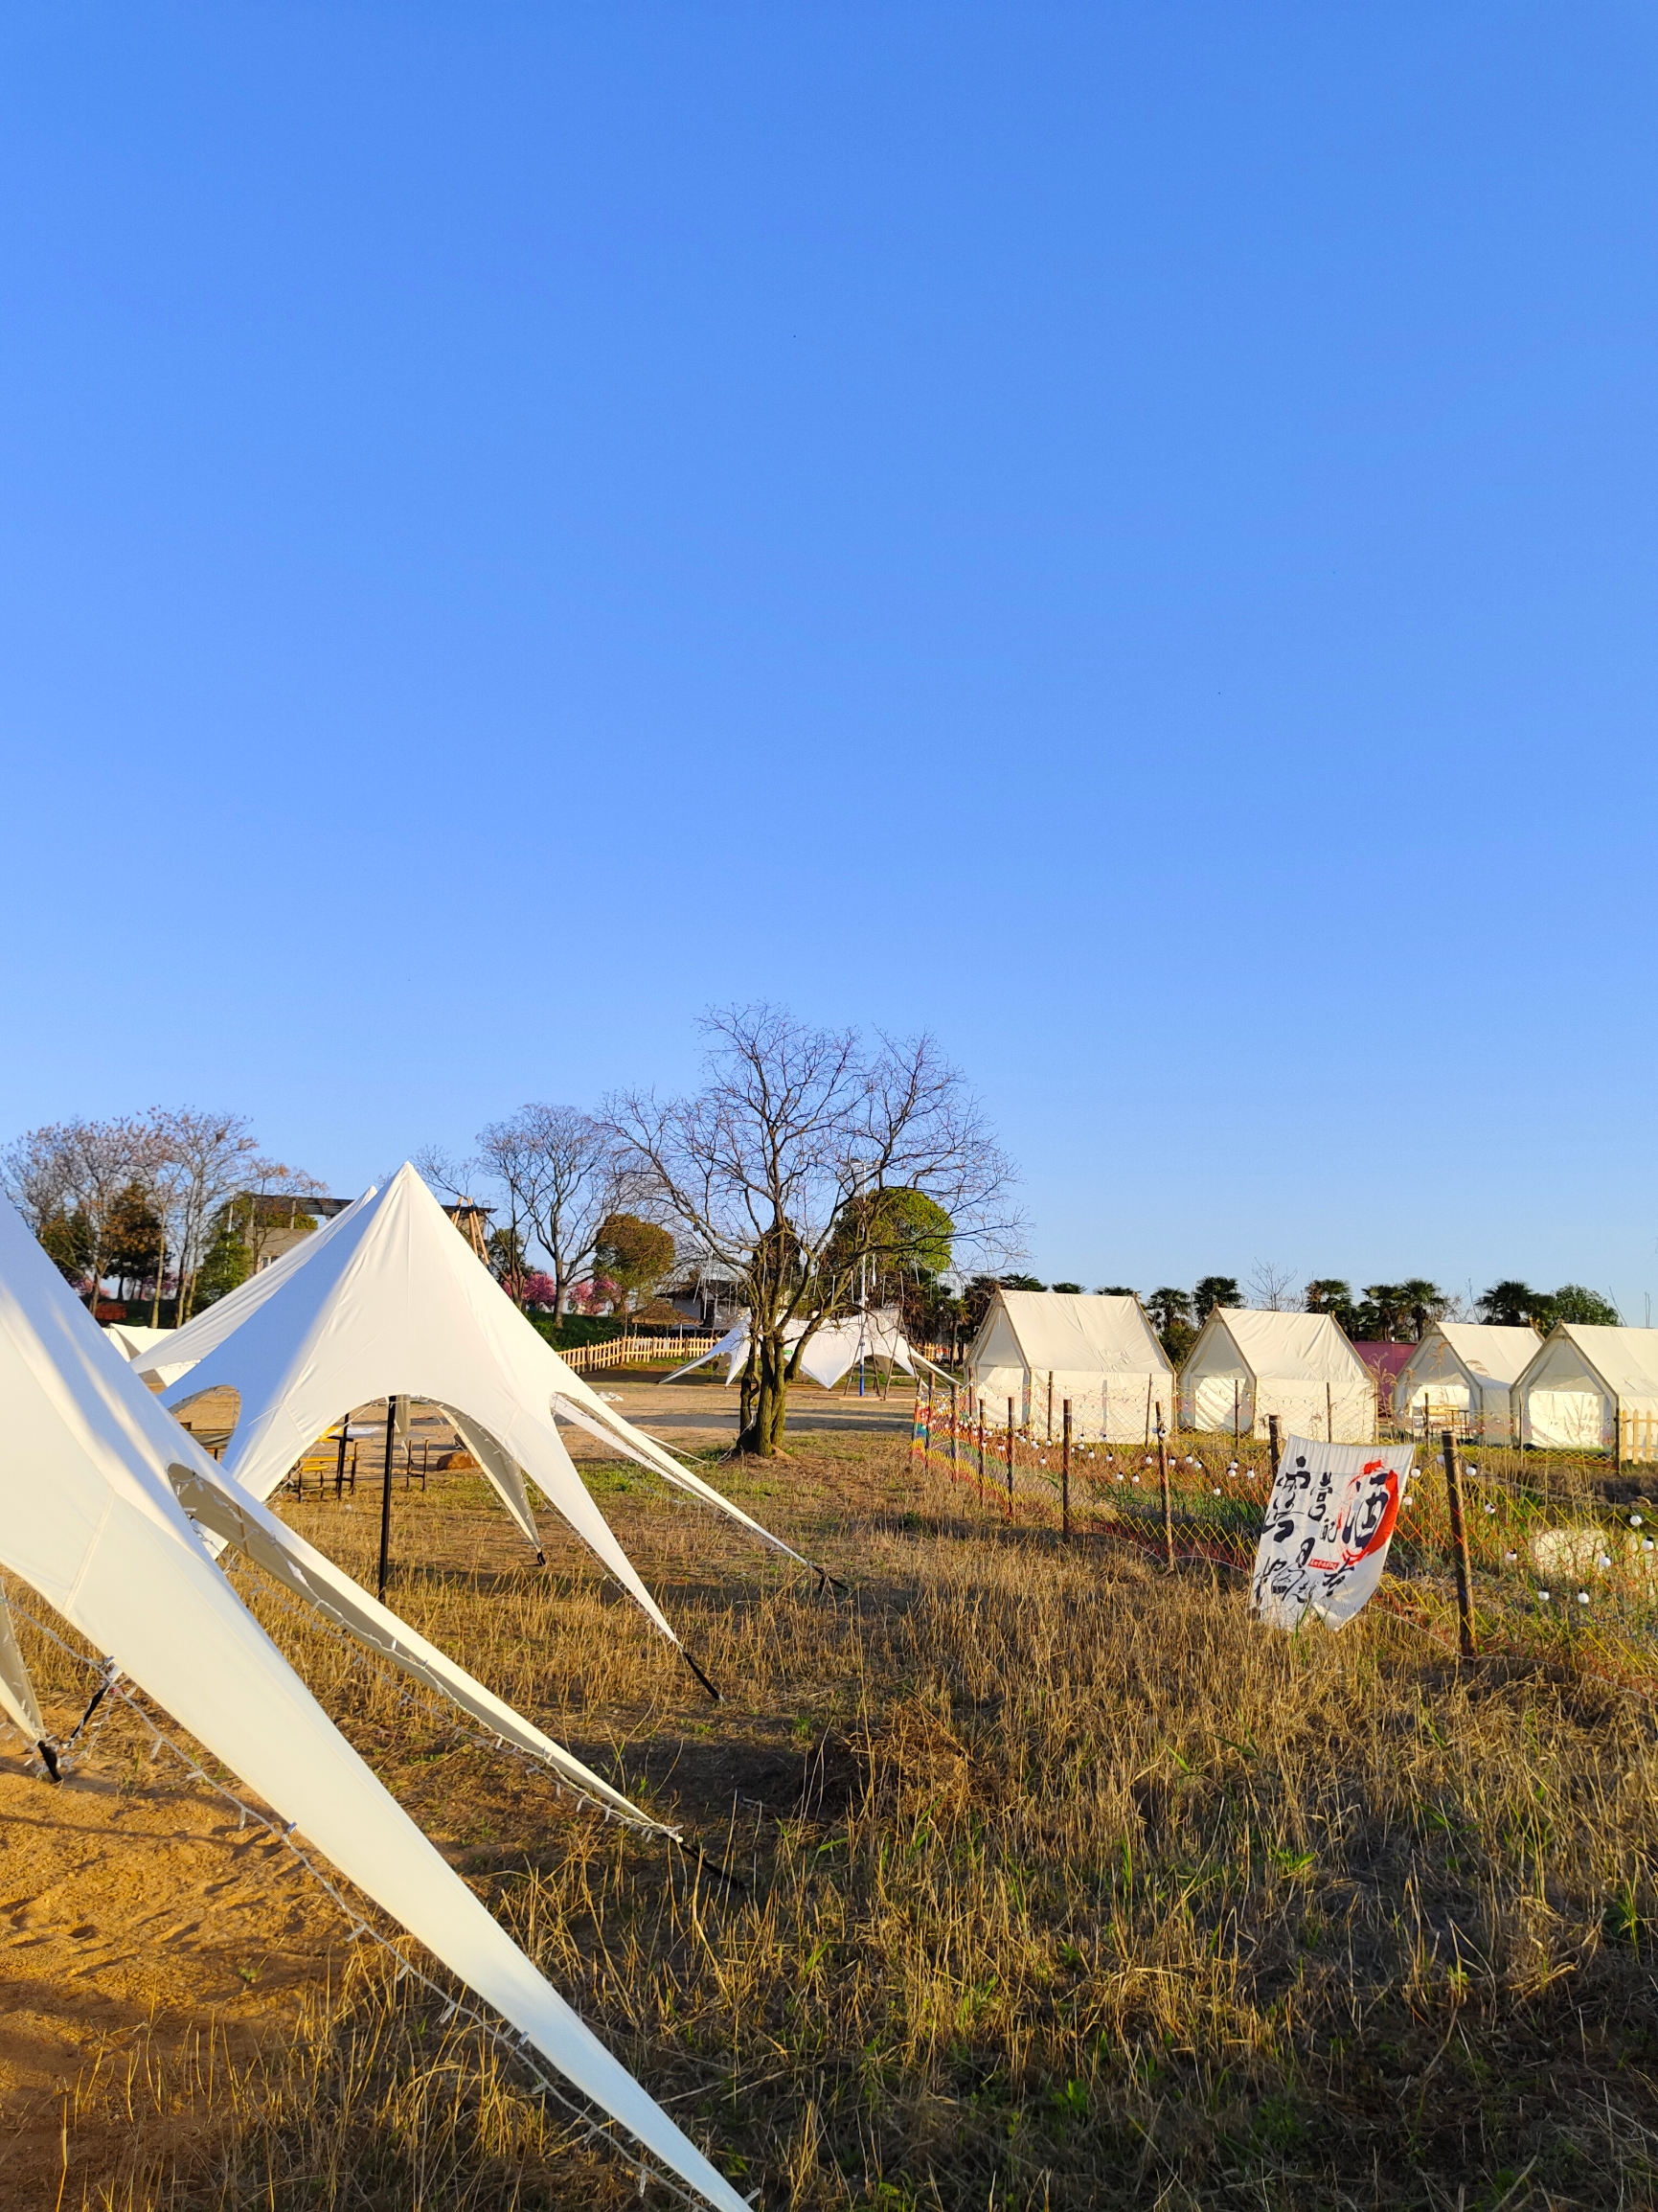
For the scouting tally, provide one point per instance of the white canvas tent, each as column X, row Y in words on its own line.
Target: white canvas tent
column 387, row 1301
column 834, row 1349
column 1464, row 1371
column 1247, row 1365
column 129, row 1340
column 89, row 1518
column 1588, row 1389
column 1042, row 1347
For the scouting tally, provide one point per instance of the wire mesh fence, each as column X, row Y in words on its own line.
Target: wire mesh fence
column 1562, row 1548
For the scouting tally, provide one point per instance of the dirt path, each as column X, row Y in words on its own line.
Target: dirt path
column 135, row 1918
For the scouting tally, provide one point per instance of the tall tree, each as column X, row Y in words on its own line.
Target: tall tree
column 560, row 1175
column 72, row 1181
column 206, row 1159
column 1329, row 1294
column 633, row 1255
column 777, row 1169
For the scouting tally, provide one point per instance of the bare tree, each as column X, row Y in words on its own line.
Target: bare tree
column 561, row 1176
column 83, row 1169
column 206, row 1159
column 1272, row 1287
column 785, row 1168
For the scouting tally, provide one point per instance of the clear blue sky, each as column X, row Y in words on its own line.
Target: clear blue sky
column 1124, row 535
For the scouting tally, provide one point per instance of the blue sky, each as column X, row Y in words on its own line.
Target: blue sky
column 1124, row 535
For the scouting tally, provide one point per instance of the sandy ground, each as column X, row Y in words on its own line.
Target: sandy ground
column 139, row 1924
column 699, row 1414
column 136, row 1916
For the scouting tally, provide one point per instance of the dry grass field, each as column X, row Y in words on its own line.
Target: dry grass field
column 1061, row 1886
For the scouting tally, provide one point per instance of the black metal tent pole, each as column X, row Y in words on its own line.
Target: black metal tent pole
column 386, row 1497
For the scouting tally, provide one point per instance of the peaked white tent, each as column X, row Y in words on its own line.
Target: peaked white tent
column 1591, row 1389
column 1247, row 1365
column 129, row 1340
column 1042, row 1347
column 387, row 1301
column 833, row 1350
column 88, row 1518
column 1465, row 1370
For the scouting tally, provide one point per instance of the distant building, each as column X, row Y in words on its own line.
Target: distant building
column 281, row 1220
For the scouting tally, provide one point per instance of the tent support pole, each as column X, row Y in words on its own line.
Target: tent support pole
column 386, row 1497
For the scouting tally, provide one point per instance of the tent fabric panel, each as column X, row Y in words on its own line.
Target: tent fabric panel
column 229, row 1513
column 504, row 1473
column 18, row 1699
column 1568, row 1419
column 993, row 1389
column 1217, row 1400
column 87, row 1515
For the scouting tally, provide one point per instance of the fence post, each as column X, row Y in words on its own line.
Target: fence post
column 953, row 1425
column 916, row 1423
column 1010, row 1459
column 1065, row 1476
column 1273, row 1447
column 1163, row 1485
column 981, row 1451
column 1328, row 1414
column 1458, row 1545
column 340, row 1463
column 1617, row 1434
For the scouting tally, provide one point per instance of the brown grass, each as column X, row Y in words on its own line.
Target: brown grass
column 1068, row 1887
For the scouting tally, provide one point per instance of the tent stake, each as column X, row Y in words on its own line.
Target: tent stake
column 698, row 1673
column 386, row 1497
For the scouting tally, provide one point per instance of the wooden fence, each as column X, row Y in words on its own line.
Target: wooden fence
column 627, row 1351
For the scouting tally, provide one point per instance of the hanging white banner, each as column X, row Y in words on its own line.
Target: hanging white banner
column 1329, row 1524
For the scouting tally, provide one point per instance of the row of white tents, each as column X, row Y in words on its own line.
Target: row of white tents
column 1580, row 1389
column 114, row 1514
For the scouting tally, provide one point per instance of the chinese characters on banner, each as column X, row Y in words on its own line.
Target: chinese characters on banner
column 1329, row 1524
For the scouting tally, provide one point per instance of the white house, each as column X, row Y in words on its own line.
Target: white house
column 1246, row 1366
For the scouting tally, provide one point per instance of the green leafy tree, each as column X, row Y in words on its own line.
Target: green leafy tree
column 1402, row 1312
column 1214, row 1291
column 632, row 1255
column 132, row 1239
column 226, row 1263
column 68, row 1240
column 1171, row 1313
column 1572, row 1302
column 1329, row 1294
column 1512, row 1305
